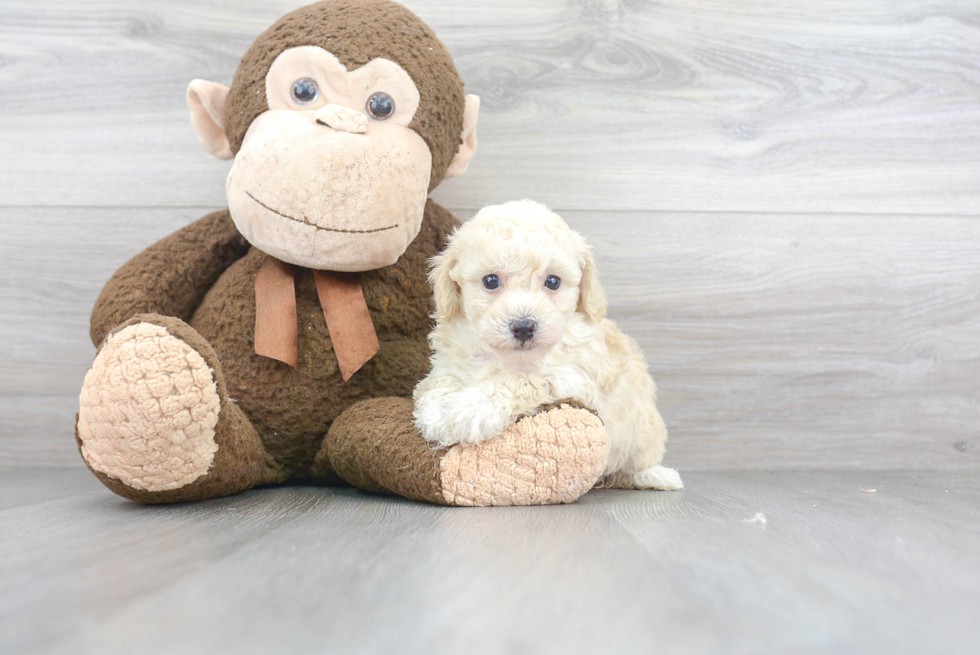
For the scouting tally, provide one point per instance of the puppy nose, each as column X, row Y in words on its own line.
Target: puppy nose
column 523, row 329
column 342, row 119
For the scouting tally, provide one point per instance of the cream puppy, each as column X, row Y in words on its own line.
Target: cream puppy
column 521, row 323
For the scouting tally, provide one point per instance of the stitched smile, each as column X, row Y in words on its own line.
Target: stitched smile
column 304, row 221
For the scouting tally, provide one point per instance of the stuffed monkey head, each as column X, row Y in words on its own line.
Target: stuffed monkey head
column 341, row 118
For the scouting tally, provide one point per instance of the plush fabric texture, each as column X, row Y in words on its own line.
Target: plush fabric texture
column 292, row 409
column 374, row 445
column 347, row 90
column 552, row 457
column 171, row 276
column 312, row 196
column 357, row 31
column 148, row 410
column 240, row 460
column 207, row 102
column 343, row 119
column 288, row 410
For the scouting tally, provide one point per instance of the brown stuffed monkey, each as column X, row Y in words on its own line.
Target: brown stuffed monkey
column 279, row 340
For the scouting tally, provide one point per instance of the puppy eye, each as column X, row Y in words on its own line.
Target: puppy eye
column 491, row 281
column 380, row 106
column 552, row 282
column 305, row 91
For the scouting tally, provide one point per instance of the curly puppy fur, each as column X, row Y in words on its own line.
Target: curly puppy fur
column 507, row 344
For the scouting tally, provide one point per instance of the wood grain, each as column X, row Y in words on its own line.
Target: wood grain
column 588, row 104
column 778, row 341
column 300, row 570
column 803, row 341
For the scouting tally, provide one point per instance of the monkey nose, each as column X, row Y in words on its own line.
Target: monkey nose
column 523, row 329
column 342, row 119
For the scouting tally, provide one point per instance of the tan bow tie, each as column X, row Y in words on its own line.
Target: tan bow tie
column 348, row 319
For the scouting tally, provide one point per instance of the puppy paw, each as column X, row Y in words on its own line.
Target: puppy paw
column 430, row 418
column 658, row 477
column 463, row 417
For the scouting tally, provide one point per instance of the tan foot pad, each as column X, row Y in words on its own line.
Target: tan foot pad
column 550, row 458
column 148, row 411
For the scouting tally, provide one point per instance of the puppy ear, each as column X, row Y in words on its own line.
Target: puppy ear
column 591, row 298
column 448, row 295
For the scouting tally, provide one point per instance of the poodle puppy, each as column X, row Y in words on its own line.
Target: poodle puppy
column 520, row 322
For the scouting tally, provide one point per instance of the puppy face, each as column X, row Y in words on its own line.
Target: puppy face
column 515, row 274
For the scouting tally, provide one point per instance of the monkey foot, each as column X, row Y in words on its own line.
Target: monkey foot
column 148, row 410
column 552, row 457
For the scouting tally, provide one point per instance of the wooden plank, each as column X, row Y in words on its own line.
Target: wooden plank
column 670, row 105
column 296, row 570
column 778, row 342
column 803, row 341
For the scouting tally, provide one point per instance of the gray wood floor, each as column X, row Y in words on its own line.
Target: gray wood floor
column 299, row 570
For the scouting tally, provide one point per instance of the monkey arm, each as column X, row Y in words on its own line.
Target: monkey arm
column 171, row 276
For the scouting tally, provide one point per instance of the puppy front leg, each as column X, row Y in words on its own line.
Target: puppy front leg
column 447, row 414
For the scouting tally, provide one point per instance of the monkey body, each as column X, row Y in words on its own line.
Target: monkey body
column 292, row 410
column 280, row 340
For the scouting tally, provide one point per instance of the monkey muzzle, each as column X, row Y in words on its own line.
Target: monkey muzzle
column 330, row 190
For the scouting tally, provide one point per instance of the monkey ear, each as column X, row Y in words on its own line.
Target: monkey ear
column 467, row 148
column 447, row 294
column 591, row 298
column 207, row 101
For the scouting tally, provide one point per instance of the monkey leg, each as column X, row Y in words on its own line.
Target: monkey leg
column 552, row 457
column 155, row 423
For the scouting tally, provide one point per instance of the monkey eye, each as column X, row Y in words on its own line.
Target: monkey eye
column 380, row 106
column 552, row 282
column 491, row 281
column 305, row 91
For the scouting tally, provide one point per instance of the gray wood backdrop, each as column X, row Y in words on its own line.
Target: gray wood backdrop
column 784, row 197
